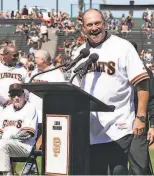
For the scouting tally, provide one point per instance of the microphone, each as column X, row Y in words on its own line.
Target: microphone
column 83, row 67
column 92, row 59
column 63, row 65
column 83, row 54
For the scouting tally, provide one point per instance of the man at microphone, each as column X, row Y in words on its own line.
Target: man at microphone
column 111, row 81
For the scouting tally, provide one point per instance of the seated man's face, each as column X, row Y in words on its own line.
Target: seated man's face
column 18, row 99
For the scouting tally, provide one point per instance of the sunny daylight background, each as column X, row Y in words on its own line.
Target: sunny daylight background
column 65, row 5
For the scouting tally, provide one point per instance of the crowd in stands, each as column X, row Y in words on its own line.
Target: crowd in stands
column 36, row 34
column 25, row 13
column 148, row 59
column 123, row 25
column 148, row 17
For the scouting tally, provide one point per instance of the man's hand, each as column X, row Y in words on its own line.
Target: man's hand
column 150, row 136
column 138, row 127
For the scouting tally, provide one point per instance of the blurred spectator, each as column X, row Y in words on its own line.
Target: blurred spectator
column 12, row 14
column 24, row 12
column 33, row 39
column 142, row 55
column 34, row 48
column 17, row 15
column 129, row 22
column 124, row 30
column 58, row 60
column 147, row 57
column 44, row 32
column 67, row 47
column 148, row 17
column 6, row 14
column 123, row 19
column 36, row 12
column 79, row 20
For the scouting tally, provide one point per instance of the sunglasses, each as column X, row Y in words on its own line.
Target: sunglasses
column 14, row 94
column 13, row 55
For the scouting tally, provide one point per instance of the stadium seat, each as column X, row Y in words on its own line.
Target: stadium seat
column 32, row 158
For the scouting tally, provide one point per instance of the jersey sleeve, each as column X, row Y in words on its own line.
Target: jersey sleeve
column 135, row 69
column 30, row 121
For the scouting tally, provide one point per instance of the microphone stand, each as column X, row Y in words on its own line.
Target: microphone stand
column 71, row 80
column 81, row 72
column 63, row 65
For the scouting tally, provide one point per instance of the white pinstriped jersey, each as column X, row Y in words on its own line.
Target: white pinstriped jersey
column 12, row 121
column 8, row 76
column 111, row 80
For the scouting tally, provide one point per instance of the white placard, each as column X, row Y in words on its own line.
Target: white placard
column 56, row 161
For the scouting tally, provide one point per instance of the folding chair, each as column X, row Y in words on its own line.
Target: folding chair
column 36, row 151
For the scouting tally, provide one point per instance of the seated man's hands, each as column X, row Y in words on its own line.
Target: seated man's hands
column 22, row 136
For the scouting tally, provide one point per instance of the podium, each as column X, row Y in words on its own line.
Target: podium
column 66, row 112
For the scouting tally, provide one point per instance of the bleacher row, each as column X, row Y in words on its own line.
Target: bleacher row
column 61, row 38
column 143, row 43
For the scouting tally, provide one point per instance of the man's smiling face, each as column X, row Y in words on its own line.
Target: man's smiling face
column 93, row 26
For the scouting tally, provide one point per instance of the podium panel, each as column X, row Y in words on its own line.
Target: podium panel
column 70, row 134
column 57, row 144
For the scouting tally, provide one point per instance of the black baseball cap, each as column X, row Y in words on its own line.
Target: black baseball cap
column 16, row 87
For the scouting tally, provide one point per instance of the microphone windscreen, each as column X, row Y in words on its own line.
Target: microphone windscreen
column 85, row 52
column 94, row 57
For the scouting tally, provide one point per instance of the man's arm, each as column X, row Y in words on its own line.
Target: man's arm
column 143, row 97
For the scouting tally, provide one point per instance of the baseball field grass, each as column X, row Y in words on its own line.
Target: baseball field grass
column 20, row 165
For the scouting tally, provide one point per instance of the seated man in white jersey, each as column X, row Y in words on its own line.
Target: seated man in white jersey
column 111, row 80
column 9, row 73
column 18, row 127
